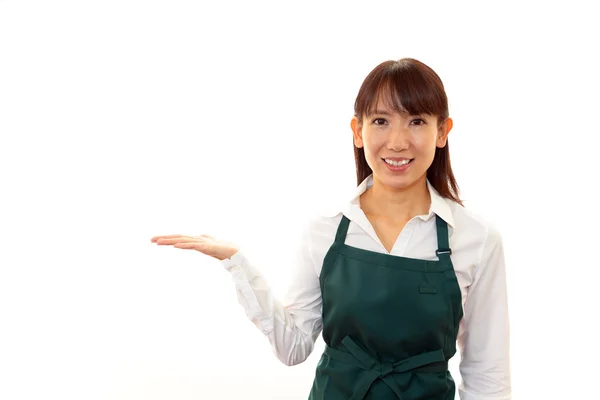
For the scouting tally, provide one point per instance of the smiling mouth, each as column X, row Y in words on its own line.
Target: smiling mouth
column 398, row 163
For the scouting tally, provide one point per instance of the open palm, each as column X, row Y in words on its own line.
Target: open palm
column 204, row 244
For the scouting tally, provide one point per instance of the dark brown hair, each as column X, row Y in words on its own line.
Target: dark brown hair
column 408, row 86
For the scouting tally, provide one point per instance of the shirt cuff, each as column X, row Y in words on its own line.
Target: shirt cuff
column 236, row 259
column 470, row 396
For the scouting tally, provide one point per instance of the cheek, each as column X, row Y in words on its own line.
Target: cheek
column 425, row 144
column 373, row 151
column 371, row 145
column 378, row 138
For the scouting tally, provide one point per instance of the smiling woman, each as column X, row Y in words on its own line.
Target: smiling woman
column 410, row 103
column 400, row 275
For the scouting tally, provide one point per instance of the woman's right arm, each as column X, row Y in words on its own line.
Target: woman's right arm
column 293, row 324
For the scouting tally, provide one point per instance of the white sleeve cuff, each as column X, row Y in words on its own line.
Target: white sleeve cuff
column 470, row 396
column 234, row 260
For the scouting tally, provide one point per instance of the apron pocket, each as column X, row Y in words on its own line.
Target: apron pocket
column 427, row 290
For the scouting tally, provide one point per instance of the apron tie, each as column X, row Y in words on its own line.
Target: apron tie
column 359, row 358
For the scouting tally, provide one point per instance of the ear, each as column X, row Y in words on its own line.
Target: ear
column 357, row 132
column 443, row 132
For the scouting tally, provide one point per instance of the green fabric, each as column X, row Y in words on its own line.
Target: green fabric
column 389, row 323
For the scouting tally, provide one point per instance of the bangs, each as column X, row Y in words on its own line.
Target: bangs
column 402, row 87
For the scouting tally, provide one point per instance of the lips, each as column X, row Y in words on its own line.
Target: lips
column 396, row 159
column 398, row 169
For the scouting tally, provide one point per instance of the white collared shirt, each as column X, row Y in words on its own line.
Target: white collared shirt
column 293, row 324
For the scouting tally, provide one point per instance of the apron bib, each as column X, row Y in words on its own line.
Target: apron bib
column 389, row 323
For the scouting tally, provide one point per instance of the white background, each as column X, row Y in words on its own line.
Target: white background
column 122, row 120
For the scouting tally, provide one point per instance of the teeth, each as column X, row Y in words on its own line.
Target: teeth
column 397, row 163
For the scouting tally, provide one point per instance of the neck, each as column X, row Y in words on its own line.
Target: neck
column 396, row 204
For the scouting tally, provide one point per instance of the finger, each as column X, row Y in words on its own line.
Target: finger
column 171, row 239
column 191, row 246
column 155, row 238
column 174, row 241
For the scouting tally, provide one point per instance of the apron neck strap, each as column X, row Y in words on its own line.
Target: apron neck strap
column 443, row 252
column 340, row 236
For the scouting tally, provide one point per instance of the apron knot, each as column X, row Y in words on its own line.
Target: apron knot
column 386, row 369
column 432, row 361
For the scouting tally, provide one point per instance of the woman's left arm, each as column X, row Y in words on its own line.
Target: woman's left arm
column 484, row 336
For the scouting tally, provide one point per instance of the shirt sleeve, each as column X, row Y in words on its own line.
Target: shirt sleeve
column 293, row 324
column 484, row 336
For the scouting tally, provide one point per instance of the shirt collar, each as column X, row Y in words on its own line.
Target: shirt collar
column 439, row 205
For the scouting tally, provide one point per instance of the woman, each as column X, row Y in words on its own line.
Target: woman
column 399, row 275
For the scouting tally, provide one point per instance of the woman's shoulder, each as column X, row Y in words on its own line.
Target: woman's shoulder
column 324, row 218
column 319, row 222
column 475, row 221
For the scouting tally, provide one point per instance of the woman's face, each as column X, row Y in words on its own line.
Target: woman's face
column 385, row 134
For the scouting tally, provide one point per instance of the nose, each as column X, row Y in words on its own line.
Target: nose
column 398, row 139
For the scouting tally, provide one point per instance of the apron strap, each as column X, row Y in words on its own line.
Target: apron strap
column 340, row 236
column 443, row 252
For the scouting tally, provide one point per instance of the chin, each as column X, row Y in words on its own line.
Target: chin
column 398, row 180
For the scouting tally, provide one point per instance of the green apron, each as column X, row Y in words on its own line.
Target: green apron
column 389, row 323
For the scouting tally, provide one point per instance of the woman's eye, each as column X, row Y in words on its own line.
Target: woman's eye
column 379, row 121
column 421, row 122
